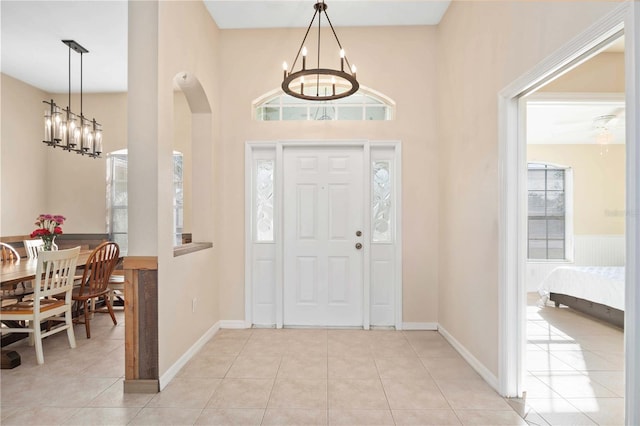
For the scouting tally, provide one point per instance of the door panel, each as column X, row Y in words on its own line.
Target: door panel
column 323, row 209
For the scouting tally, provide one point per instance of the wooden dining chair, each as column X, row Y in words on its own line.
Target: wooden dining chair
column 94, row 283
column 18, row 291
column 54, row 277
column 8, row 253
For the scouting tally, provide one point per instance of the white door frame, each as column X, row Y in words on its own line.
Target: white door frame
column 512, row 223
column 278, row 147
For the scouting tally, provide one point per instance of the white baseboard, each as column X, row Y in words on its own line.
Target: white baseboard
column 234, row 324
column 182, row 361
column 483, row 371
column 420, row 326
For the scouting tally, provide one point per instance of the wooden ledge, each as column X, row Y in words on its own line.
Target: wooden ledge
column 190, row 248
column 141, row 262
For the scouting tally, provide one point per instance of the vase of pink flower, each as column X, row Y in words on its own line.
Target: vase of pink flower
column 48, row 227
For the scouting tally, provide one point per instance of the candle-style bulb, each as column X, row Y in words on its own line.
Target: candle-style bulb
column 353, row 69
column 342, row 53
column 304, row 58
column 285, row 66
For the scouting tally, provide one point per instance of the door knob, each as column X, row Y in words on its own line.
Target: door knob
column 358, row 246
column 358, row 233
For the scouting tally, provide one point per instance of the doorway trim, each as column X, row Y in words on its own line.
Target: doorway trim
column 372, row 150
column 512, row 162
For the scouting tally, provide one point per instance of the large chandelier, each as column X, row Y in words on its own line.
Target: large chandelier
column 322, row 84
column 72, row 132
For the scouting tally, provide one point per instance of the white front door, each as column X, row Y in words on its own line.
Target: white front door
column 323, row 224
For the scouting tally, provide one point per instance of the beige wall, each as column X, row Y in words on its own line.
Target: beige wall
column 62, row 182
column 193, row 276
column 598, row 183
column 482, row 47
column 251, row 67
column 24, row 158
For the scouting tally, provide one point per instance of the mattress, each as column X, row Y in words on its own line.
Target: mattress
column 600, row 284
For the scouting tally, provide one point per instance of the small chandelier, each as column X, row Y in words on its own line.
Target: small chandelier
column 322, row 84
column 72, row 132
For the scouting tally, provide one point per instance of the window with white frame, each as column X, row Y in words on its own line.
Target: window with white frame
column 117, row 199
column 548, row 222
column 363, row 105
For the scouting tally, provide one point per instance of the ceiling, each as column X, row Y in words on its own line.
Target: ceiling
column 575, row 121
column 32, row 31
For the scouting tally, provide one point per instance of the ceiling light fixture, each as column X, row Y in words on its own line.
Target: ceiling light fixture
column 603, row 134
column 72, row 132
column 325, row 84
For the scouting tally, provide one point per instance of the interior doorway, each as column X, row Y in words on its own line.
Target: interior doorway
column 575, row 243
column 513, row 229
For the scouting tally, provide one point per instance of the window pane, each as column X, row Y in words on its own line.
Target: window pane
column 177, row 168
column 323, row 112
column 537, row 249
column 537, row 229
column 536, row 203
column 179, row 196
column 536, row 180
column 269, row 113
column 555, row 203
column 350, row 113
column 354, row 99
column 546, row 201
column 294, row 113
column 358, row 106
column 555, row 180
column 119, row 222
column 375, row 113
column 119, row 194
column 556, row 229
column 381, row 202
column 121, row 240
column 372, row 101
column 556, row 249
column 264, row 200
column 288, row 100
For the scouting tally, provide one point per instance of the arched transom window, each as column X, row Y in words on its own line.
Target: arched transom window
column 363, row 105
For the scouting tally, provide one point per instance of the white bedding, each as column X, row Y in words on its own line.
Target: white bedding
column 600, row 284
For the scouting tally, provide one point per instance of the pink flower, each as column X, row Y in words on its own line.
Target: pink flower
column 48, row 224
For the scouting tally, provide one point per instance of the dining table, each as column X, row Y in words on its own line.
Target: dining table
column 13, row 273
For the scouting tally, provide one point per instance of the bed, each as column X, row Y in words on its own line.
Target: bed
column 594, row 290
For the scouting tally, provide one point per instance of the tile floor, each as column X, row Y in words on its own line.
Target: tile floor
column 258, row 376
column 317, row 376
column 575, row 369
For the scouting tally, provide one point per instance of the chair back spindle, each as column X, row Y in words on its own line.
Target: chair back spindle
column 9, row 254
column 100, row 264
